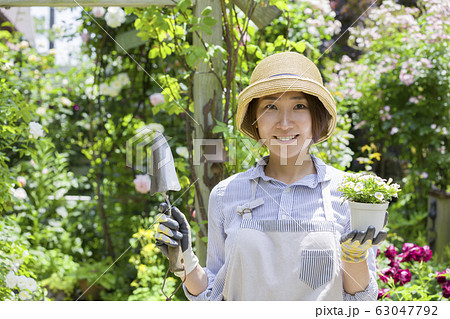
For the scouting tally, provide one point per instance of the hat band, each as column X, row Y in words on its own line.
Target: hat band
column 281, row 74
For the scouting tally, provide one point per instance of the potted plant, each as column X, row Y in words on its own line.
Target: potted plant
column 368, row 197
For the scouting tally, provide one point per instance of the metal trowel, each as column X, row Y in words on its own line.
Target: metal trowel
column 163, row 178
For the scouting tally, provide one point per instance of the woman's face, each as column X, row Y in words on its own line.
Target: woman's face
column 284, row 122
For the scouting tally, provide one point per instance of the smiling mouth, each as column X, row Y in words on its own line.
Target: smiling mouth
column 286, row 138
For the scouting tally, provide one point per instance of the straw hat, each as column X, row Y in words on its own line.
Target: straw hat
column 282, row 72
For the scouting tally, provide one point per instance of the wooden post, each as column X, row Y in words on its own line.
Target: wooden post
column 439, row 223
column 207, row 103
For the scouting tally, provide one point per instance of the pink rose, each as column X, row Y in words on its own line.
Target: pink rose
column 403, row 276
column 446, row 289
column 386, row 273
column 407, row 246
column 427, row 253
column 417, row 253
column 98, row 12
column 142, row 183
column 390, row 252
column 441, row 279
column 156, row 98
column 383, row 293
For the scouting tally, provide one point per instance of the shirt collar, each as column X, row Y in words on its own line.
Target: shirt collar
column 323, row 172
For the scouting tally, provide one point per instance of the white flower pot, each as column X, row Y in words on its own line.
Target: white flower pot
column 364, row 215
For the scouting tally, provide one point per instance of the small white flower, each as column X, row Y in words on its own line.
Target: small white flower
column 31, row 284
column 98, row 12
column 123, row 79
column 11, row 280
column 378, row 196
column 115, row 17
column 359, row 187
column 36, row 129
column 22, row 282
column 66, row 102
column 182, row 151
column 24, row 295
column 20, row 193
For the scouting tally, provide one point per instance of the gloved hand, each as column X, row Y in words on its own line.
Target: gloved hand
column 355, row 245
column 170, row 231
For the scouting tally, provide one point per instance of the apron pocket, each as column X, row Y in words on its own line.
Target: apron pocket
column 316, row 267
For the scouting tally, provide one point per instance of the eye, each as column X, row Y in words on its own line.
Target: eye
column 270, row 107
column 300, row 106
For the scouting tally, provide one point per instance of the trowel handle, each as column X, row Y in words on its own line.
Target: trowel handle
column 176, row 258
column 175, row 253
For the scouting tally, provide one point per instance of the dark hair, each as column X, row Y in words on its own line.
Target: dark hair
column 319, row 116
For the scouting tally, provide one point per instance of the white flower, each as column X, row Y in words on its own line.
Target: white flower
column 41, row 110
column 115, row 17
column 24, row 45
column 156, row 98
column 182, row 151
column 123, row 79
column 378, row 196
column 20, row 193
column 142, row 183
column 66, row 102
column 62, row 211
column 11, row 280
column 36, row 129
column 22, row 282
column 116, row 86
column 24, row 295
column 98, row 12
column 31, row 284
column 22, row 181
column 359, row 187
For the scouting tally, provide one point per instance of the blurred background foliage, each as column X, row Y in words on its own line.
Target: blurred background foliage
column 81, row 214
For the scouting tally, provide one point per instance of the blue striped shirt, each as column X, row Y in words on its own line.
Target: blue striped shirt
column 299, row 201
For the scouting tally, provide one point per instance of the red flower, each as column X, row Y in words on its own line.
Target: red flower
column 402, row 276
column 386, row 273
column 407, row 246
column 428, row 253
column 384, row 293
column 417, row 253
column 442, row 279
column 446, row 289
column 390, row 252
column 395, row 263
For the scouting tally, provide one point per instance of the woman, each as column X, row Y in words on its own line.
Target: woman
column 278, row 231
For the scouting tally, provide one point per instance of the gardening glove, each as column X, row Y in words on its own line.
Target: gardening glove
column 355, row 245
column 172, row 231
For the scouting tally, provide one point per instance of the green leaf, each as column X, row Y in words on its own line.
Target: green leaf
column 206, row 11
column 209, row 21
column 300, row 46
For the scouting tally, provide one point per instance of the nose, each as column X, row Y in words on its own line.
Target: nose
column 284, row 119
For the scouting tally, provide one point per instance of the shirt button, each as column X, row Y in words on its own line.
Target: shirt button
column 288, row 190
column 283, row 216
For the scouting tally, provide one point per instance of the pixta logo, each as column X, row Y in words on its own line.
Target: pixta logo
column 141, row 148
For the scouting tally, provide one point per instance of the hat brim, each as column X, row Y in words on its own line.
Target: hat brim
column 279, row 85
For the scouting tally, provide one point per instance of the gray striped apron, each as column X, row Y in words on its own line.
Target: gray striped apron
column 285, row 259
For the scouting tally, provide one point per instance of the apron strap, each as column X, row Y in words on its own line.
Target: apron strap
column 246, row 210
column 326, row 198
